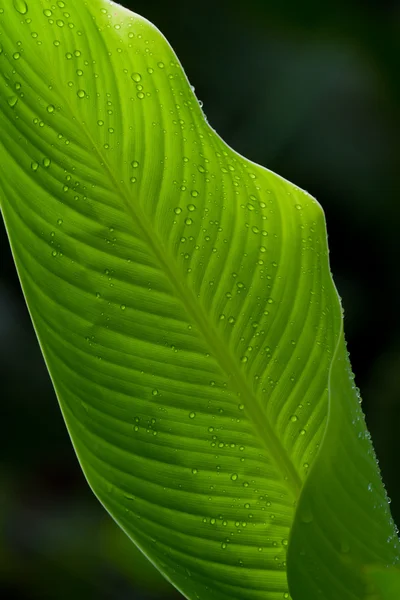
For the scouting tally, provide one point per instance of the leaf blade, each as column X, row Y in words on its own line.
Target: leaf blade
column 175, row 303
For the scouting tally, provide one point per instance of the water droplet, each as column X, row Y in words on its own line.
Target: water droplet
column 160, row 65
column 50, row 108
column 294, row 418
column 241, row 407
column 306, row 516
column 100, row 123
column 194, row 471
column 133, row 179
column 244, row 359
column 136, row 77
column 123, row 307
column 21, row 6
column 194, row 193
column 155, row 392
column 47, row 12
column 59, row 221
column 234, row 476
column 46, row 162
column 134, row 164
column 81, row 94
column 16, row 56
column 298, row 206
column 302, row 432
column 188, row 221
column 12, row 101
column 192, row 415
column 34, row 166
column 60, row 23
column 191, row 207
column 177, row 210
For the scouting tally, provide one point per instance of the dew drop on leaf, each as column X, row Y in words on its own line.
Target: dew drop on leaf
column 155, row 392
column 177, row 210
column 294, row 418
column 21, row 6
column 306, row 516
column 81, row 94
column 234, row 476
column 192, row 415
column 34, row 166
column 12, row 101
column 46, row 162
column 136, row 77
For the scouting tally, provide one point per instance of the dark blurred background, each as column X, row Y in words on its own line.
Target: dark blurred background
column 310, row 90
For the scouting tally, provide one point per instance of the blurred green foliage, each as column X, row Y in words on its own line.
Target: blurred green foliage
column 310, row 90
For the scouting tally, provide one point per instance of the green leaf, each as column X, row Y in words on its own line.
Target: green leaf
column 385, row 582
column 184, row 305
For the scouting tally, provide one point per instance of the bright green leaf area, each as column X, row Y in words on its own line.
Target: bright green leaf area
column 184, row 304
